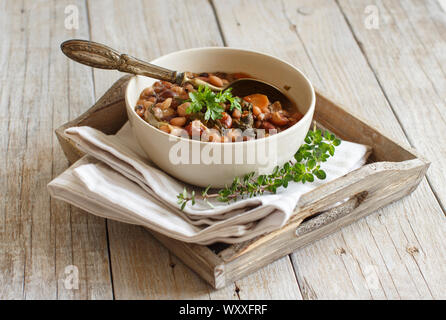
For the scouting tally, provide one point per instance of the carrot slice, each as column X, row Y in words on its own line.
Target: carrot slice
column 259, row 100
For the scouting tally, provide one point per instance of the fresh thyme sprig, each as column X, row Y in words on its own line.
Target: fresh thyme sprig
column 305, row 166
column 209, row 102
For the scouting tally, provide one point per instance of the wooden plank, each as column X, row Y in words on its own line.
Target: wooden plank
column 38, row 93
column 140, row 265
column 369, row 259
column 412, row 71
column 412, row 74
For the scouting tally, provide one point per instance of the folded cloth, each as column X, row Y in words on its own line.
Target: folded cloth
column 115, row 180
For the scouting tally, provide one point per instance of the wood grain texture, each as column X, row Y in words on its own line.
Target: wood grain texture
column 408, row 55
column 369, row 259
column 159, row 33
column 379, row 74
column 40, row 237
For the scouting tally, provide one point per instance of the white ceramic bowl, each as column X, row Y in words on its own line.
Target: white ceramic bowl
column 227, row 160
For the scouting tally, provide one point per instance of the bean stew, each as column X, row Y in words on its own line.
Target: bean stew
column 216, row 117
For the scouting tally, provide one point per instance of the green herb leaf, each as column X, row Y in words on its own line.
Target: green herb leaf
column 211, row 103
column 318, row 148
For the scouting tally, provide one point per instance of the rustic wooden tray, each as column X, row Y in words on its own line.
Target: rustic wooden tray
column 391, row 173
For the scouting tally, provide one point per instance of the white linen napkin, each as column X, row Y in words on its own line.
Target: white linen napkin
column 115, row 180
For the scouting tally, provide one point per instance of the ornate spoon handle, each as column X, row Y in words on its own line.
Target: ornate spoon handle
column 97, row 55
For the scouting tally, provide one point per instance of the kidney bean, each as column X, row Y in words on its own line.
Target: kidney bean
column 147, row 92
column 177, row 89
column 211, row 135
column 236, row 114
column 276, row 106
column 169, row 112
column 267, row 125
column 167, row 84
column 234, row 135
column 189, row 88
column 178, row 121
column 182, row 109
column 157, row 112
column 165, row 128
column 140, row 110
column 256, row 110
column 195, row 128
column 165, row 104
column 166, row 94
column 179, row 132
column 279, row 119
column 158, row 87
column 216, row 81
column 226, row 120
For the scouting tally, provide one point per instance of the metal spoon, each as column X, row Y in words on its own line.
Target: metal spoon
column 97, row 55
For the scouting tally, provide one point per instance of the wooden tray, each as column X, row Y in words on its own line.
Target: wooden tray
column 392, row 173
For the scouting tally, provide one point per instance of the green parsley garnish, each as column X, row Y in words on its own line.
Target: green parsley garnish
column 209, row 102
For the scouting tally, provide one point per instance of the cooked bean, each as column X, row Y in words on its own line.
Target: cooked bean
column 165, row 104
column 189, row 87
column 157, row 112
column 179, row 132
column 169, row 112
column 178, row 121
column 147, row 92
column 177, row 89
column 276, row 106
column 216, row 81
column 234, row 135
column 167, row 84
column 236, row 114
column 165, row 128
column 211, row 135
column 166, row 94
column 256, row 110
column 257, row 124
column 279, row 119
column 147, row 104
column 268, row 125
column 182, row 109
column 158, row 87
column 226, row 120
column 184, row 96
column 140, row 110
column 195, row 128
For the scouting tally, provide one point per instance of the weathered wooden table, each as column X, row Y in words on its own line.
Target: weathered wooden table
column 384, row 60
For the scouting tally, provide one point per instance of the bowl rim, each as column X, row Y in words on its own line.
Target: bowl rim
column 307, row 114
